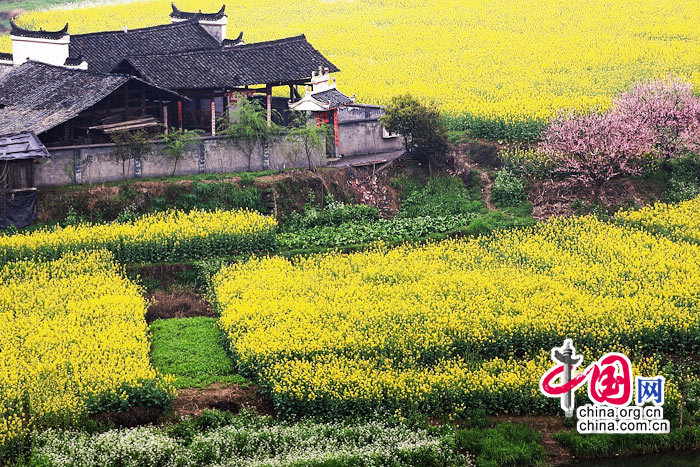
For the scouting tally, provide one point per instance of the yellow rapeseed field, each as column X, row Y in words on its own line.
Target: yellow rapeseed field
column 679, row 221
column 163, row 236
column 464, row 320
column 502, row 61
column 69, row 329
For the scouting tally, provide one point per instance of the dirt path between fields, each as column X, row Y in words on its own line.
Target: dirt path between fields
column 486, row 186
column 221, row 396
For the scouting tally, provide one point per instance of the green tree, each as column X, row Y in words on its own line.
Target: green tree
column 421, row 126
column 130, row 146
column 177, row 142
column 306, row 136
column 247, row 127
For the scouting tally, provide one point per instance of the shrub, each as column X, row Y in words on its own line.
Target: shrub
column 334, row 213
column 441, row 197
column 421, row 126
column 505, row 444
column 529, row 163
column 507, row 189
column 683, row 175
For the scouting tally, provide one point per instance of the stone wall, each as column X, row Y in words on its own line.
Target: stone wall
column 360, row 132
column 95, row 163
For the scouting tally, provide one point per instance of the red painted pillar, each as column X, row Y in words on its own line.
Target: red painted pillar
column 335, row 126
column 179, row 114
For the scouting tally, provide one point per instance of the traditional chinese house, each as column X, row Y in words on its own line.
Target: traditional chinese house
column 182, row 74
column 71, row 92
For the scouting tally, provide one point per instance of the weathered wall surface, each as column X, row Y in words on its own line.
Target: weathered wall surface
column 5, row 69
column 96, row 164
column 361, row 132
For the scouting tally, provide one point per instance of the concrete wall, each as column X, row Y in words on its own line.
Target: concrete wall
column 360, row 132
column 95, row 163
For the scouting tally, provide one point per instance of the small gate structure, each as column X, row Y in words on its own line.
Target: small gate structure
column 18, row 193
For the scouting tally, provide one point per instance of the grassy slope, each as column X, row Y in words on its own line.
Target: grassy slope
column 190, row 349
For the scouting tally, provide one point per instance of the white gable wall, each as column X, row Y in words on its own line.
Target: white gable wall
column 50, row 51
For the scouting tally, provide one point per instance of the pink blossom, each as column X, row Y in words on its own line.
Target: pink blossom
column 650, row 121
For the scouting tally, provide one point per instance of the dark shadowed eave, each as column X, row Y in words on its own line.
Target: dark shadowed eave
column 40, row 34
column 104, row 50
column 275, row 62
column 37, row 97
column 178, row 14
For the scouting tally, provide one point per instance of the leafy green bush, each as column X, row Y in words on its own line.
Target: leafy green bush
column 405, row 185
column 526, row 163
column 215, row 439
column 147, row 393
column 441, row 197
column 682, row 179
column 209, row 196
column 505, row 444
column 387, row 230
column 334, row 213
column 507, row 189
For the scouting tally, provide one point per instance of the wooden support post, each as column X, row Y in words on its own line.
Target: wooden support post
column 213, row 117
column 165, row 118
column 179, row 114
column 268, row 91
column 143, row 101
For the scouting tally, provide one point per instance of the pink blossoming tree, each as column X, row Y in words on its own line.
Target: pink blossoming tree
column 651, row 121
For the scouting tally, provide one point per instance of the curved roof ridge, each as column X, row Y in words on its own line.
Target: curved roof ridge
column 24, row 32
column 177, row 13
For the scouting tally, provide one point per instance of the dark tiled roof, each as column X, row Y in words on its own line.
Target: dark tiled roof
column 38, row 97
column 23, row 145
column 40, row 34
column 199, row 15
column 104, row 50
column 231, row 42
column 280, row 61
column 74, row 61
column 5, row 56
column 332, row 96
